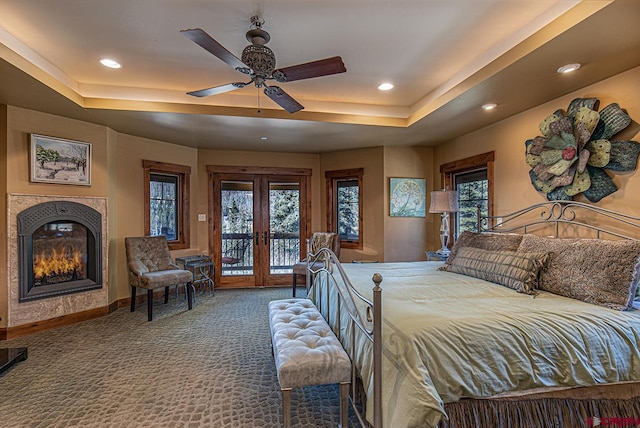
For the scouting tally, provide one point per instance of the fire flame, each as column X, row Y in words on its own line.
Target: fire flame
column 62, row 261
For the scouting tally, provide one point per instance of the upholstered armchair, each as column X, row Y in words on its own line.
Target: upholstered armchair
column 318, row 240
column 150, row 267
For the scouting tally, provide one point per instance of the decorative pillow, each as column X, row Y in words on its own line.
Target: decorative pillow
column 486, row 241
column 601, row 272
column 514, row 269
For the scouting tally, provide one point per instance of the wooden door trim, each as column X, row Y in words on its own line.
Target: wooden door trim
column 257, row 175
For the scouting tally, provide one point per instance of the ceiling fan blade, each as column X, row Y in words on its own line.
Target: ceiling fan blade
column 322, row 67
column 218, row 89
column 201, row 38
column 283, row 99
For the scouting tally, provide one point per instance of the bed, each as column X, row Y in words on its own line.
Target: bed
column 473, row 344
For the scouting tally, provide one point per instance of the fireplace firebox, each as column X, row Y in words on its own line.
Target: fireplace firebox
column 59, row 250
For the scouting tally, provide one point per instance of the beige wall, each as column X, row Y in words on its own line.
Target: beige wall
column 372, row 160
column 129, row 194
column 513, row 189
column 405, row 237
column 20, row 123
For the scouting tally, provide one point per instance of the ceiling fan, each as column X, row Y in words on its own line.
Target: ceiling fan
column 259, row 63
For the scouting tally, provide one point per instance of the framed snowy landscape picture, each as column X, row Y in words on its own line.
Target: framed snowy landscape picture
column 54, row 160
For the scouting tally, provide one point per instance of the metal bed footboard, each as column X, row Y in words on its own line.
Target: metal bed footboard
column 365, row 316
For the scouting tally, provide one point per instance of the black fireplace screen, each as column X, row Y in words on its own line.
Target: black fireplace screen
column 59, row 249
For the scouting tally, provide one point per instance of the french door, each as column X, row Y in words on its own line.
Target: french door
column 258, row 223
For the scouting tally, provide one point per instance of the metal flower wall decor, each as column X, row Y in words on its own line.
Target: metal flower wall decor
column 576, row 148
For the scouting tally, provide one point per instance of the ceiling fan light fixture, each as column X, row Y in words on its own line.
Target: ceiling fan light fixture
column 111, row 63
column 386, row 86
column 568, row 68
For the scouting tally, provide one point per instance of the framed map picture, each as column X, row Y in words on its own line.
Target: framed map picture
column 407, row 197
column 54, row 160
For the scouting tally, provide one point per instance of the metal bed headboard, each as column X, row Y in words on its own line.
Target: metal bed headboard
column 562, row 215
column 364, row 314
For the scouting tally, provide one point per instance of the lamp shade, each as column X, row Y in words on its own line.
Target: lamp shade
column 444, row 201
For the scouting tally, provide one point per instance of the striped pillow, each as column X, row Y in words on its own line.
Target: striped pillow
column 514, row 269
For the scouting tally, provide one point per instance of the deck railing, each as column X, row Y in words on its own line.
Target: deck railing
column 238, row 252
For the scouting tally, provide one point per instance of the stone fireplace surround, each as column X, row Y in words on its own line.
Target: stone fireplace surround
column 41, row 310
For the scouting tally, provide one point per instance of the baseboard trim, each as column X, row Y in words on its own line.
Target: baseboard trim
column 34, row 327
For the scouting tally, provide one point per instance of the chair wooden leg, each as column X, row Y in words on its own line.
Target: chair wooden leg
column 133, row 298
column 150, row 304
column 344, row 405
column 190, row 290
column 294, row 284
column 166, row 295
column 286, row 408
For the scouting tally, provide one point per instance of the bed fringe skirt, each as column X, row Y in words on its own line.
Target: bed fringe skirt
column 543, row 413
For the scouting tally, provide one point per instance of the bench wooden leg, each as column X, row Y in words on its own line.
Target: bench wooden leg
column 150, row 304
column 286, row 408
column 344, row 405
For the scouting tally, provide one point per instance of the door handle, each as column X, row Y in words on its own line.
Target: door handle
column 265, row 238
column 257, row 238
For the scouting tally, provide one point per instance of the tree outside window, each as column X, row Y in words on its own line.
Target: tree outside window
column 473, row 191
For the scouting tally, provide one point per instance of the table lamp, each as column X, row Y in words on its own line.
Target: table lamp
column 444, row 202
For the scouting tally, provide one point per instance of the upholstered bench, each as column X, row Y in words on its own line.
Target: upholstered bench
column 306, row 352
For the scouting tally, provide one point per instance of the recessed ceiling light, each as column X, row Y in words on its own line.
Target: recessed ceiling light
column 568, row 68
column 385, row 86
column 110, row 63
column 264, row 138
column 489, row 106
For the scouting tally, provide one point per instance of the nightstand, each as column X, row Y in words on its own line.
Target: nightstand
column 434, row 256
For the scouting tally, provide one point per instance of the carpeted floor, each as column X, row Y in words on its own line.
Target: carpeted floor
column 211, row 366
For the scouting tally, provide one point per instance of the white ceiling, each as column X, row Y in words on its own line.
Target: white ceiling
column 445, row 58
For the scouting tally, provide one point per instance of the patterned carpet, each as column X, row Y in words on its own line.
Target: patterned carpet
column 211, row 366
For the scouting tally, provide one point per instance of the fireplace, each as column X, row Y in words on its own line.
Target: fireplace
column 59, row 250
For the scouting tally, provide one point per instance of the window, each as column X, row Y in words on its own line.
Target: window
column 344, row 205
column 473, row 191
column 167, row 202
column 473, row 179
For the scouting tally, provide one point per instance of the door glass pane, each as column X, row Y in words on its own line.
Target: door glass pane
column 284, row 223
column 237, row 227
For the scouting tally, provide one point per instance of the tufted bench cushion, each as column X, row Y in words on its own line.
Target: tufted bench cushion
column 305, row 349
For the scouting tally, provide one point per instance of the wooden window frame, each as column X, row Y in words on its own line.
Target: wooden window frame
column 183, row 173
column 448, row 170
column 331, row 180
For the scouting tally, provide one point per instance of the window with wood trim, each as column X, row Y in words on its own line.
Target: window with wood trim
column 473, row 179
column 344, row 205
column 166, row 202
